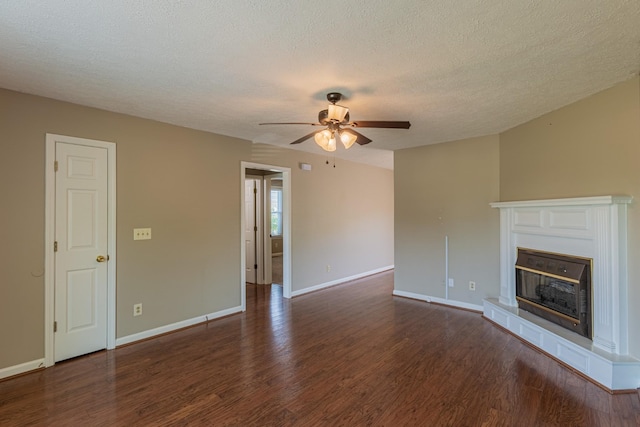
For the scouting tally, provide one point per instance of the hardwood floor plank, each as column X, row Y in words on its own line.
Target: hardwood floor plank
column 349, row 355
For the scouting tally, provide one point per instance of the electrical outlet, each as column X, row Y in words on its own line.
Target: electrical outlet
column 328, row 268
column 141, row 234
column 137, row 309
column 451, row 283
column 472, row 286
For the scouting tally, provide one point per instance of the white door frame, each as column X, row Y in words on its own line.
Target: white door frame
column 286, row 229
column 49, row 238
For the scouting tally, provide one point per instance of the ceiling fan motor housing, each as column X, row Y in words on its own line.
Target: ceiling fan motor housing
column 323, row 118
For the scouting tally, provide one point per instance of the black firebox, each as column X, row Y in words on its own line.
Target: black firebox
column 555, row 287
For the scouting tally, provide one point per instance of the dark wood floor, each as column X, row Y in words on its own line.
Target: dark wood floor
column 351, row 355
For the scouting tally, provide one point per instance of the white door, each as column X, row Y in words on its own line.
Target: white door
column 250, row 229
column 81, row 257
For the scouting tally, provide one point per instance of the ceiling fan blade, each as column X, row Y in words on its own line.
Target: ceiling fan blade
column 362, row 140
column 304, row 138
column 380, row 124
column 292, row 123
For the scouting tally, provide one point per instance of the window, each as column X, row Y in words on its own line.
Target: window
column 276, row 211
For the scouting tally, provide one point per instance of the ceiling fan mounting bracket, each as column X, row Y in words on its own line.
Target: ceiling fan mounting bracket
column 334, row 97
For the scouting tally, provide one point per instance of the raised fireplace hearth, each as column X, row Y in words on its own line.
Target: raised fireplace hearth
column 593, row 229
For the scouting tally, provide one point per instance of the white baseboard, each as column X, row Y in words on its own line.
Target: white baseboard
column 339, row 281
column 175, row 326
column 427, row 298
column 21, row 368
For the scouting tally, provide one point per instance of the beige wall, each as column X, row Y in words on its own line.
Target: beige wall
column 589, row 148
column 184, row 184
column 445, row 190
column 342, row 216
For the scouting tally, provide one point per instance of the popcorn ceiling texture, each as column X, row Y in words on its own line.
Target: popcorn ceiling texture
column 456, row 68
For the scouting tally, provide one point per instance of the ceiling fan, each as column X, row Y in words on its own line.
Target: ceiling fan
column 338, row 126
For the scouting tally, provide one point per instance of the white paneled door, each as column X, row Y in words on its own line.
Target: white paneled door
column 250, row 229
column 81, row 257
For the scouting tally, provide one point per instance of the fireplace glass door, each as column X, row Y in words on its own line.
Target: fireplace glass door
column 555, row 287
column 556, row 294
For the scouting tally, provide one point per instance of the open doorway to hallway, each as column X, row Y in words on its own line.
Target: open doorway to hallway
column 265, row 213
column 263, row 227
column 257, row 267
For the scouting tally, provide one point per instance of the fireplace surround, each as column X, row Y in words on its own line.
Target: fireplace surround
column 592, row 228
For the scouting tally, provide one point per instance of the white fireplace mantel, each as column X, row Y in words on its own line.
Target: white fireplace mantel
column 589, row 227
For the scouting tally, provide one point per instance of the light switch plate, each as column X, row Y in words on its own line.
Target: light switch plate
column 141, row 234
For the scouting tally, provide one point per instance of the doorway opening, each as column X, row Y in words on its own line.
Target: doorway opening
column 267, row 222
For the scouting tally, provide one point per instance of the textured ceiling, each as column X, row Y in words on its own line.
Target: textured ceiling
column 454, row 68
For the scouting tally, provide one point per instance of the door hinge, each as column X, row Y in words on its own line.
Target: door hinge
column 255, row 266
column 255, row 228
column 255, row 191
column 55, row 246
column 55, row 166
column 55, row 326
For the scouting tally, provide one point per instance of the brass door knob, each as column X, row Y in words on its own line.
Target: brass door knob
column 102, row 258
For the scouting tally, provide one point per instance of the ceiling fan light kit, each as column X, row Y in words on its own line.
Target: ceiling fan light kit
column 326, row 140
column 335, row 117
column 348, row 138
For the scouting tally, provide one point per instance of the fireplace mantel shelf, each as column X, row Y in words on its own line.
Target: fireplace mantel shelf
column 589, row 227
column 576, row 201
